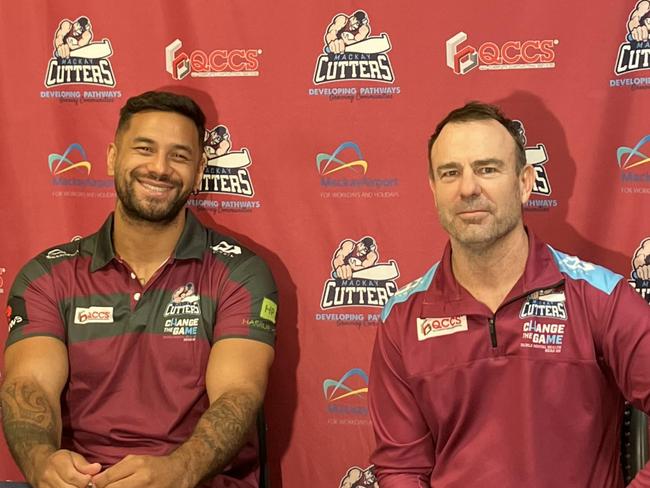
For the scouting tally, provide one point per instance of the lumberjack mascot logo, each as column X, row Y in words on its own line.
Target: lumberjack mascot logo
column 634, row 54
column 351, row 53
column 77, row 59
column 226, row 171
column 358, row 279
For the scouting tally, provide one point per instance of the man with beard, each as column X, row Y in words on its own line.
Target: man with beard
column 508, row 363
column 353, row 256
column 345, row 30
column 138, row 356
column 70, row 36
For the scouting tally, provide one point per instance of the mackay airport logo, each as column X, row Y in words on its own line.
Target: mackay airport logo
column 351, row 53
column 462, row 57
column 78, row 59
column 358, row 278
column 217, row 63
column 640, row 276
column 537, row 157
column 226, row 173
column 634, row 166
column 343, row 175
column 346, row 398
column 357, row 477
column 634, row 52
column 71, row 175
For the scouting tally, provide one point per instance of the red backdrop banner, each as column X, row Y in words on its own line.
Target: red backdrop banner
column 328, row 149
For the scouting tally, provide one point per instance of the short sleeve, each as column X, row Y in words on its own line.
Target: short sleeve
column 247, row 304
column 32, row 309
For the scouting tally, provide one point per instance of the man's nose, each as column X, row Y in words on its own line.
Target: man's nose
column 469, row 185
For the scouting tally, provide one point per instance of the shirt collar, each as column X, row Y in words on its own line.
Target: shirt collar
column 190, row 245
column 540, row 272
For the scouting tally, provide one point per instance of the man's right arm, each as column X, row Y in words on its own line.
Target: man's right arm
column 36, row 371
column 404, row 455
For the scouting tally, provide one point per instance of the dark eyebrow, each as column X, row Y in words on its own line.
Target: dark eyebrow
column 484, row 162
column 176, row 147
column 144, row 140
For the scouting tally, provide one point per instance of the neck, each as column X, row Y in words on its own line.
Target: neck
column 490, row 271
column 145, row 245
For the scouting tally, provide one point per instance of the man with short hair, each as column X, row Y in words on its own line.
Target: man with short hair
column 139, row 356
column 507, row 364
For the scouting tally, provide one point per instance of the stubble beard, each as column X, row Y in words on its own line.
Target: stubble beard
column 480, row 235
column 146, row 211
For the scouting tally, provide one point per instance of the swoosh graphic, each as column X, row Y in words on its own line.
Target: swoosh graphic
column 631, row 152
column 62, row 159
column 329, row 158
column 335, row 385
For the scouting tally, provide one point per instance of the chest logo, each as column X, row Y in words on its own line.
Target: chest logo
column 439, row 326
column 93, row 315
column 550, row 303
column 184, row 302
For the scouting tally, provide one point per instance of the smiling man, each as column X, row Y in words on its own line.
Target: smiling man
column 139, row 356
column 507, row 364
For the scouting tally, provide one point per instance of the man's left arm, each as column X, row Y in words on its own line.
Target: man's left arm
column 626, row 350
column 236, row 379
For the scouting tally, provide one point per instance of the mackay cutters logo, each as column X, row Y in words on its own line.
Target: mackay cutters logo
column 641, row 270
column 537, row 157
column 549, row 303
column 351, row 53
column 183, row 313
column 634, row 54
column 226, row 171
column 358, row 277
column 357, row 477
column 77, row 59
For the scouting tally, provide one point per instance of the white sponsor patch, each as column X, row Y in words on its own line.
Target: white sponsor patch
column 60, row 253
column 226, row 249
column 439, row 326
column 93, row 315
column 15, row 321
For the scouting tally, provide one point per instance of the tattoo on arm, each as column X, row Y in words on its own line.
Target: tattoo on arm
column 220, row 433
column 29, row 422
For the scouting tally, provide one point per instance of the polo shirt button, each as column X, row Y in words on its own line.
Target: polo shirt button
column 136, row 296
column 133, row 276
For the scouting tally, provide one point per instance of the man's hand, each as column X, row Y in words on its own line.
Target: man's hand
column 63, row 50
column 143, row 471
column 65, row 468
column 639, row 31
column 344, row 272
column 337, row 46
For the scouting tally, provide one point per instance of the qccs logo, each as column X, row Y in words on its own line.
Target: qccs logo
column 528, row 54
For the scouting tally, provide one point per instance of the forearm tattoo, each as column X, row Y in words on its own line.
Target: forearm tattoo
column 28, row 421
column 220, row 433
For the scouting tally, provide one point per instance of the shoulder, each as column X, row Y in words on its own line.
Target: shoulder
column 576, row 269
column 46, row 261
column 409, row 291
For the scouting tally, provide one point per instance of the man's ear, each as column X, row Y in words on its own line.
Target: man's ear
column 526, row 180
column 432, row 185
column 111, row 157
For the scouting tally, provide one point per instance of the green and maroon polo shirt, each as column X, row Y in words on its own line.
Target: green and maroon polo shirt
column 138, row 354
